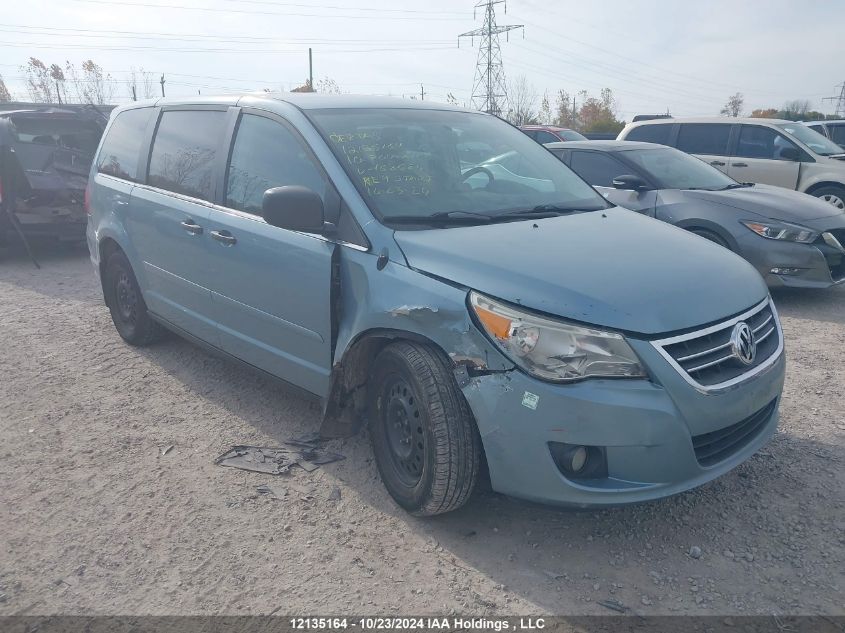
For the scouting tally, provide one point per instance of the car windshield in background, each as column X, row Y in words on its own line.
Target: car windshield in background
column 672, row 169
column 819, row 143
column 410, row 163
column 571, row 135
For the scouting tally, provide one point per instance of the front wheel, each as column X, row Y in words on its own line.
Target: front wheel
column 713, row 237
column 425, row 441
column 832, row 195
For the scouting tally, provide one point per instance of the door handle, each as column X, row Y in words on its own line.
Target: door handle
column 224, row 236
column 717, row 163
column 191, row 227
column 739, row 164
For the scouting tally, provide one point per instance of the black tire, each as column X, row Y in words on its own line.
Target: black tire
column 832, row 195
column 127, row 306
column 713, row 237
column 424, row 437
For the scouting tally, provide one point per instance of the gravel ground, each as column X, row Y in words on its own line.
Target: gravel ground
column 96, row 520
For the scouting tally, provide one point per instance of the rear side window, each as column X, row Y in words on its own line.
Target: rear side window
column 597, row 169
column 119, row 153
column 704, row 138
column 265, row 155
column 650, row 134
column 184, row 152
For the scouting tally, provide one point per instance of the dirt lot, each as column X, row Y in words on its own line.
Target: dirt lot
column 95, row 520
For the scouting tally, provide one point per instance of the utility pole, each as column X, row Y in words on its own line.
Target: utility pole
column 489, row 92
column 161, row 81
column 839, row 112
column 422, row 93
column 134, row 94
column 310, row 70
column 58, row 92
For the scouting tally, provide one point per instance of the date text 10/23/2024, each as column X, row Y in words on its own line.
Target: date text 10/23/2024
column 415, row 624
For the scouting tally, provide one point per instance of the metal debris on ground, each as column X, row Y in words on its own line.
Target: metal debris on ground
column 614, row 605
column 304, row 452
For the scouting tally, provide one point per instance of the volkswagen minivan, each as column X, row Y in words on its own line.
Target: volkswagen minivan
column 358, row 249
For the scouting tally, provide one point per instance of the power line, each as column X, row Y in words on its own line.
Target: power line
column 323, row 16
column 489, row 92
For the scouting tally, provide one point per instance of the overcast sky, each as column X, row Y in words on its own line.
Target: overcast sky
column 654, row 54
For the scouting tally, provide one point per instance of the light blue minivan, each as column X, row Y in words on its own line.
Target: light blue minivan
column 479, row 317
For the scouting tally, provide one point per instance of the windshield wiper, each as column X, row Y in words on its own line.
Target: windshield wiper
column 441, row 217
column 737, row 185
column 542, row 211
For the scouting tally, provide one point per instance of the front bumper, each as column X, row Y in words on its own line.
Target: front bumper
column 646, row 427
column 816, row 265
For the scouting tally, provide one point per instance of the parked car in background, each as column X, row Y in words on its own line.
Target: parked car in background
column 591, row 355
column 766, row 151
column 834, row 130
column 45, row 157
column 551, row 133
column 791, row 238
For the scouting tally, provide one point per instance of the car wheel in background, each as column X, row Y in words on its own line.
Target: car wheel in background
column 127, row 307
column 710, row 235
column 425, row 441
column 832, row 195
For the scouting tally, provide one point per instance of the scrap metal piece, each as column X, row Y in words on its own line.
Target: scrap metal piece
column 277, row 460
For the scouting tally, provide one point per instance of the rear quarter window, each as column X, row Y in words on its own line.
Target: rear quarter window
column 119, row 154
column 651, row 134
column 704, row 138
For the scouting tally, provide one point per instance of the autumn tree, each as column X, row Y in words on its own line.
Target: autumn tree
column 544, row 117
column 38, row 82
column 5, row 95
column 734, row 106
column 90, row 83
column 522, row 101
column 767, row 113
column 598, row 114
column 565, row 115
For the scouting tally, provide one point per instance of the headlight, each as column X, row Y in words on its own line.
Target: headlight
column 553, row 350
column 783, row 231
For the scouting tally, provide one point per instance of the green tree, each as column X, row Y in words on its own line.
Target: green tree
column 565, row 115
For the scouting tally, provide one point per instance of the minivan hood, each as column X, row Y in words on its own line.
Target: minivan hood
column 771, row 202
column 612, row 268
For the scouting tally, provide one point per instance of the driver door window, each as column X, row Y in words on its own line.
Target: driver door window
column 597, row 169
column 759, row 158
column 266, row 155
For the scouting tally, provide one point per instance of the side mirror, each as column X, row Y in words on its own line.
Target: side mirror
column 294, row 208
column 790, row 153
column 629, row 181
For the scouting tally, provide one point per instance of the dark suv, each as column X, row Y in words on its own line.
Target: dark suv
column 45, row 157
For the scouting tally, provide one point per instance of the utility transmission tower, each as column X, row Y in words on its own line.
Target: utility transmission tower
column 489, row 93
column 840, row 101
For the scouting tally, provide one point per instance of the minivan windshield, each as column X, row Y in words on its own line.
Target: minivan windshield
column 672, row 169
column 819, row 143
column 427, row 165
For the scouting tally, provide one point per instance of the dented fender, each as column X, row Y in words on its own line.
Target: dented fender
column 397, row 300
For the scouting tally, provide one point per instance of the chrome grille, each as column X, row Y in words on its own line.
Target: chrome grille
column 707, row 359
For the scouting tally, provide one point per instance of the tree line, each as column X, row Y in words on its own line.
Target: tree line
column 795, row 110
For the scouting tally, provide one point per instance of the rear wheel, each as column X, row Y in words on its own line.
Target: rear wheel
column 710, row 235
column 127, row 307
column 424, row 438
column 832, row 195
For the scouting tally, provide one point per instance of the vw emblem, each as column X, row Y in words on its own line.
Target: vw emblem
column 743, row 345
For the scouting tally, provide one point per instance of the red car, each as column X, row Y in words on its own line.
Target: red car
column 551, row 133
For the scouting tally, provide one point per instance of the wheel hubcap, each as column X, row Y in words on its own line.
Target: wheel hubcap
column 836, row 201
column 127, row 298
column 404, row 430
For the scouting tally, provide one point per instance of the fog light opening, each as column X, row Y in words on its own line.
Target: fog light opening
column 576, row 461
